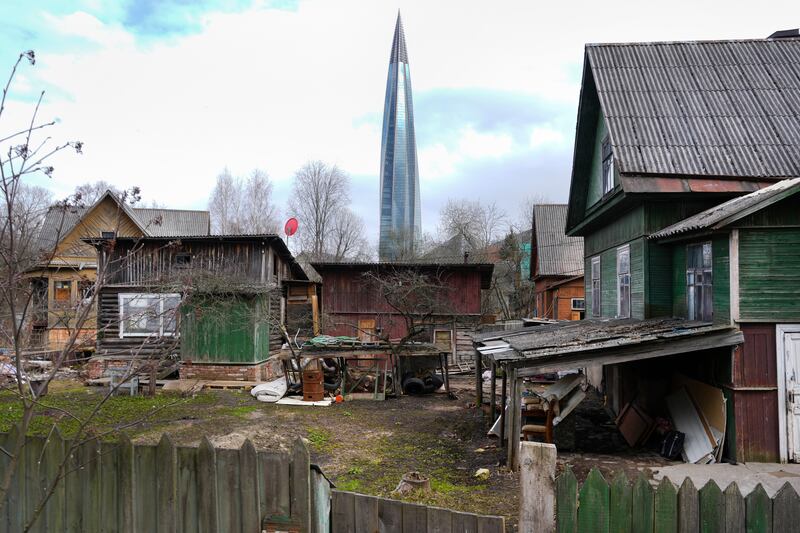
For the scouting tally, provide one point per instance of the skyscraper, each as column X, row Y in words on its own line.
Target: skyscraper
column 399, row 202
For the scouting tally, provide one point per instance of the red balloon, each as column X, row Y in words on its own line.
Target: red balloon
column 291, row 227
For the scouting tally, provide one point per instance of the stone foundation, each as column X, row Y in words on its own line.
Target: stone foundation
column 98, row 366
column 266, row 371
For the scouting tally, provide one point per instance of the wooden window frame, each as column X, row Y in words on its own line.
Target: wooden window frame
column 162, row 298
column 607, row 166
column 449, row 331
column 596, row 310
column 573, row 307
column 624, row 281
column 706, row 283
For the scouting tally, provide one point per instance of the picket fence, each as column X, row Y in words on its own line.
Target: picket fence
column 128, row 487
column 354, row 513
column 619, row 506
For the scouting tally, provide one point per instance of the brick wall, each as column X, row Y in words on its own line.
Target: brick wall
column 266, row 371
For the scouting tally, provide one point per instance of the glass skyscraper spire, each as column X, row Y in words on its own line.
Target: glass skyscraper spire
column 400, row 206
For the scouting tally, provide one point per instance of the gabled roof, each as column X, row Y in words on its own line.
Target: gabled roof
column 556, row 253
column 719, row 117
column 714, row 108
column 60, row 220
column 732, row 210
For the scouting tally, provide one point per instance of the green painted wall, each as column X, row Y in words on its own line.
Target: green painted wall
column 231, row 331
column 679, row 280
column 769, row 274
column 608, row 281
column 595, row 192
column 658, row 281
column 627, row 227
column 784, row 213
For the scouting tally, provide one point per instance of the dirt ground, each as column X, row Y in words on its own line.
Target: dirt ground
column 363, row 446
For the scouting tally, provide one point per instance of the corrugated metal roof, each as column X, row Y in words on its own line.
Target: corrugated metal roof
column 713, row 108
column 732, row 210
column 557, row 254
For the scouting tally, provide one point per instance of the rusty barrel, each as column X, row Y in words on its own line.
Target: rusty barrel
column 313, row 387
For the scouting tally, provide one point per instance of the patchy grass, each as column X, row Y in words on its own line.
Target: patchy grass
column 241, row 411
column 320, row 439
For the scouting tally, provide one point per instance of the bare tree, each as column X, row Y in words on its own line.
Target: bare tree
column 347, row 236
column 89, row 192
column 320, row 191
column 242, row 206
column 523, row 221
column 478, row 225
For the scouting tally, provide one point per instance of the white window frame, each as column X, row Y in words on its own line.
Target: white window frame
column 162, row 297
column 621, row 251
column 706, row 285
column 607, row 165
column 575, row 307
column 596, row 293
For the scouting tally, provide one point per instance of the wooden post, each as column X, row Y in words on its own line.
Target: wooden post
column 478, row 381
column 514, row 421
column 151, row 387
column 503, row 404
column 537, row 479
column 493, row 393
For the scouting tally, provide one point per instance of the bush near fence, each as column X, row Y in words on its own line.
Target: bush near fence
column 600, row 506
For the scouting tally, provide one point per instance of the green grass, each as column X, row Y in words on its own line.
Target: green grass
column 241, row 411
column 320, row 439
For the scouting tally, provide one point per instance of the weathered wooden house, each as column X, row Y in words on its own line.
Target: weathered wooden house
column 677, row 281
column 556, row 265
column 215, row 303
column 354, row 305
column 67, row 266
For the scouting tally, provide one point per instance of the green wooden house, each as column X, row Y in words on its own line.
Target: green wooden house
column 677, row 190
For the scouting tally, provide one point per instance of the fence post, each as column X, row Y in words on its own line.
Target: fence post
column 537, row 471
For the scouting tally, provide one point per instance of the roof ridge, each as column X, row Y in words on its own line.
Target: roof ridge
column 174, row 209
column 691, row 41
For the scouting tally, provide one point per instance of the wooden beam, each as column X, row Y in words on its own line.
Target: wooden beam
column 733, row 244
column 478, row 381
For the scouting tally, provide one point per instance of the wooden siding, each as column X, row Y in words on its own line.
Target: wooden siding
column 608, row 281
column 627, row 227
column 106, row 216
column 784, row 213
column 679, row 280
column 769, row 274
column 595, row 189
column 721, row 278
column 232, row 331
column 658, row 280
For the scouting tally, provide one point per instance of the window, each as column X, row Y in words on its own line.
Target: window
column 624, row 282
column 699, row 301
column 578, row 304
column 443, row 339
column 595, row 286
column 85, row 290
column 183, row 260
column 608, row 166
column 108, row 234
column 62, row 291
column 145, row 315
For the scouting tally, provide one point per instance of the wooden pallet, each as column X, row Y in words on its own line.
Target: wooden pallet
column 224, row 385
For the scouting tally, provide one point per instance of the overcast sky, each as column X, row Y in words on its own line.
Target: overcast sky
column 166, row 93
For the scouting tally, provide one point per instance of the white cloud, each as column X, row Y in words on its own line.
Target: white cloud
column 546, row 135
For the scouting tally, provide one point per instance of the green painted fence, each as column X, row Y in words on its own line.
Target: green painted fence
column 620, row 506
column 128, row 487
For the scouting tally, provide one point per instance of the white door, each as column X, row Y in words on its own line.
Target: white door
column 789, row 389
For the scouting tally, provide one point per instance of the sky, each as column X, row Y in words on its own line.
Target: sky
column 165, row 94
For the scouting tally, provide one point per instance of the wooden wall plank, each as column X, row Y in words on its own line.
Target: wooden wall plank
column 301, row 484
column 643, row 506
column 109, row 486
column 620, row 501
column 366, row 512
column 343, row 511
column 439, row 520
column 464, row 522
column 712, row 508
column 759, row 512
column 567, row 502
column 186, row 496
column 593, row 508
column 250, row 502
column 734, row 509
column 274, row 484
column 666, row 508
column 415, row 518
column 228, row 476
column 491, row 524
column 144, row 497
column 688, row 508
column 166, row 482
column 390, row 516
column 207, row 487
column 785, row 509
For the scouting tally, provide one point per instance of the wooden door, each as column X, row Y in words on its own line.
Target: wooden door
column 366, row 330
column 791, row 355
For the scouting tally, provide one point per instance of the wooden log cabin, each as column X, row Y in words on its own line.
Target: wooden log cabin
column 64, row 273
column 214, row 303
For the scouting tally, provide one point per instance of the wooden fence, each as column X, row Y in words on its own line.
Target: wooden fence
column 164, row 488
column 351, row 513
column 600, row 506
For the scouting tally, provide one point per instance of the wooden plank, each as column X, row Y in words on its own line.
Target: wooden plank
column 491, row 524
column 301, row 484
column 620, row 501
column 366, row 511
column 390, row 516
column 712, row 508
column 73, row 492
column 567, row 502
column 230, row 514
column 439, row 520
column 785, row 509
column 33, row 450
column 166, row 482
column 90, row 484
column 125, row 483
column 537, row 487
column 321, row 504
column 109, row 483
column 464, row 522
column 415, row 518
column 186, row 497
column 53, row 456
column 758, row 513
column 643, row 506
column 144, row 495
column 248, row 486
column 274, row 484
column 593, row 504
column 734, row 509
column 666, row 508
column 688, row 508
column 207, row 487
column 343, row 511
